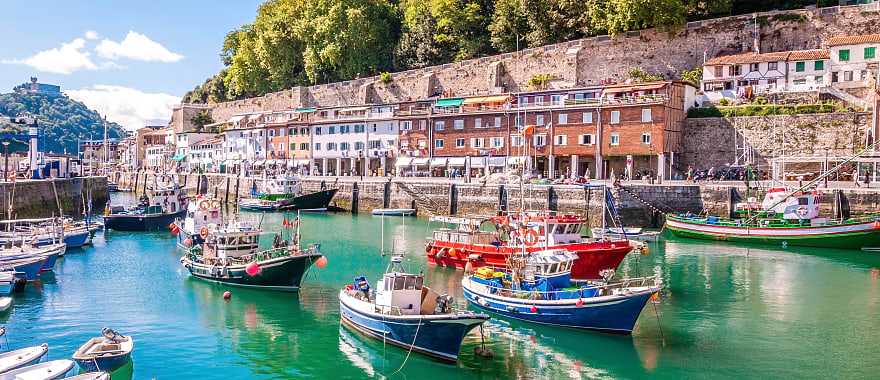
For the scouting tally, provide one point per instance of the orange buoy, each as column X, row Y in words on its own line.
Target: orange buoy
column 204, row 233
column 580, row 302
column 321, row 262
column 227, row 295
column 534, row 309
column 252, row 269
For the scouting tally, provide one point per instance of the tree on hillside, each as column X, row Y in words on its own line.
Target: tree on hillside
column 201, row 119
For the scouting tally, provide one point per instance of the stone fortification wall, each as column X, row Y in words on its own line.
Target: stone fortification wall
column 37, row 199
column 582, row 62
column 711, row 141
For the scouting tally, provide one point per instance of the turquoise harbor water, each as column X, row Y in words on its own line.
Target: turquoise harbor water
column 726, row 312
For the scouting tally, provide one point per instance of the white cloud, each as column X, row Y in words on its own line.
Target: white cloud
column 138, row 47
column 91, row 35
column 129, row 107
column 66, row 59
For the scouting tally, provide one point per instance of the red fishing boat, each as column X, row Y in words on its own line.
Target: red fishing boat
column 489, row 241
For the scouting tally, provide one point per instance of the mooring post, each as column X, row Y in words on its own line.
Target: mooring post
column 453, row 199
column 552, row 199
column 731, row 200
column 226, row 197
column 386, row 195
column 355, row 193
column 237, row 184
column 502, row 200
column 134, row 187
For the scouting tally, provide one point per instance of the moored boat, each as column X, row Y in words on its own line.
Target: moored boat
column 50, row 370
column 5, row 303
column 402, row 311
column 231, row 255
column 394, row 211
column 470, row 242
column 90, row 376
column 634, row 233
column 21, row 357
column 538, row 288
column 784, row 219
column 155, row 211
column 286, row 193
column 107, row 352
column 202, row 214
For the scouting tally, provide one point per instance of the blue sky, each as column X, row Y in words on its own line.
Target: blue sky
column 127, row 59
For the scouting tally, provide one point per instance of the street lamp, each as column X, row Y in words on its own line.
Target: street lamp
column 6, row 159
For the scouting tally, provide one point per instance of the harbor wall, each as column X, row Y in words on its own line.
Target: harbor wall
column 638, row 204
column 42, row 198
column 712, row 141
column 582, row 62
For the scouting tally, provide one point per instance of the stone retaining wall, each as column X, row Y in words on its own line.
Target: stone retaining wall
column 40, row 199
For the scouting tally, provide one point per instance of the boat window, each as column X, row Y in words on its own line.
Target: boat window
column 554, row 268
column 573, row 228
column 398, row 283
column 410, row 282
column 803, row 201
column 419, row 281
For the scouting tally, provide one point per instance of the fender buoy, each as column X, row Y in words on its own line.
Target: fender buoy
column 171, row 227
column 533, row 309
column 877, row 224
column 227, row 295
column 530, row 238
column 204, row 233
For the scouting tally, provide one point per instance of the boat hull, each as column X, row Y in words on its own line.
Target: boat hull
column 28, row 269
column 439, row 338
column 134, row 222
column 283, row 274
column 611, row 314
column 318, row 201
column 592, row 256
column 846, row 236
column 106, row 363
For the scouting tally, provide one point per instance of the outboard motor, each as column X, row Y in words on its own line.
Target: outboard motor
column 443, row 302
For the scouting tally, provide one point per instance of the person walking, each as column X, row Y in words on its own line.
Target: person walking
column 690, row 173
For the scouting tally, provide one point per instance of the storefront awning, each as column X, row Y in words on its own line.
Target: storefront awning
column 497, row 161
column 259, row 163
column 300, row 162
column 305, row 110
column 478, row 162
column 517, row 160
column 450, row 102
column 179, row 157
column 457, row 161
column 403, row 161
column 486, row 99
column 438, row 161
column 421, row 161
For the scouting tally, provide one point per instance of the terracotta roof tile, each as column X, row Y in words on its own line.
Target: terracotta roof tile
column 803, row 55
column 853, row 40
column 747, row 58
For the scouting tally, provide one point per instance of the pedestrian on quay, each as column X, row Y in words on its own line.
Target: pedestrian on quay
column 690, row 174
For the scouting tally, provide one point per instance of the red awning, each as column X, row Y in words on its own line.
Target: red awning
column 646, row 87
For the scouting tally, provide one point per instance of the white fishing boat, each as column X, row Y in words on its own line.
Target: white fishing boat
column 21, row 357
column 90, row 376
column 107, row 352
column 53, row 369
column 394, row 211
column 634, row 233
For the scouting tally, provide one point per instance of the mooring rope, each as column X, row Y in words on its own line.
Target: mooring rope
column 416, row 336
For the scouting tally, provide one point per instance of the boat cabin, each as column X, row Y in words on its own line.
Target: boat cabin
column 223, row 244
column 202, row 212
column 170, row 200
column 400, row 293
column 552, row 265
column 797, row 206
column 283, row 185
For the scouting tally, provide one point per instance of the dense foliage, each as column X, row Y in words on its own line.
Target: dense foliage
column 304, row 42
column 756, row 109
column 63, row 121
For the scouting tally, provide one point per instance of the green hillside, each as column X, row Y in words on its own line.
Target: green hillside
column 63, row 121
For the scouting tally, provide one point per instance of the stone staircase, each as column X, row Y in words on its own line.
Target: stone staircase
column 423, row 201
column 846, row 97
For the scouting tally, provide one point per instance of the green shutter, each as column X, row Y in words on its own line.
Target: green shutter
column 843, row 55
column 870, row 52
column 800, row 66
column 819, row 65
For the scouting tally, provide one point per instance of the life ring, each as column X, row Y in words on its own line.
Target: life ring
column 215, row 203
column 530, row 238
column 204, row 205
column 204, row 233
column 801, row 211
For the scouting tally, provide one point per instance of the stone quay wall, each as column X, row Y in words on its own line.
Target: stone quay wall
column 637, row 204
column 581, row 62
column 712, row 141
column 41, row 198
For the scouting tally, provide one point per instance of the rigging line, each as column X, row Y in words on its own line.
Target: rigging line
column 411, row 346
column 659, row 326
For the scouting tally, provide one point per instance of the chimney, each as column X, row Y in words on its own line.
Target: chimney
column 757, row 36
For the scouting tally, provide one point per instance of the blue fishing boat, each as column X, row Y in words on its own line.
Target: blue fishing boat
column 538, row 288
column 402, row 311
column 25, row 268
column 7, row 283
column 106, row 353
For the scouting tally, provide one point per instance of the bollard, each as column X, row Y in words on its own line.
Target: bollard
column 453, row 199
column 502, row 200
column 226, row 197
column 552, row 199
column 237, row 183
column 386, row 196
column 355, row 193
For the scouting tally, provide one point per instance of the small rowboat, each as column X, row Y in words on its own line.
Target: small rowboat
column 624, row 233
column 394, row 211
column 54, row 369
column 21, row 357
column 90, row 376
column 5, row 303
column 107, row 352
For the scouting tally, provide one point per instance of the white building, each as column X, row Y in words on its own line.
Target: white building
column 808, row 70
column 182, row 143
column 207, row 155
column 854, row 60
column 339, row 140
column 382, row 139
column 729, row 75
column 246, row 142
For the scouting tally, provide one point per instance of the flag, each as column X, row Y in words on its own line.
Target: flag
column 529, row 130
column 285, row 223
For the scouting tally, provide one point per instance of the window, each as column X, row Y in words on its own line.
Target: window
column 359, row 128
column 834, row 77
column 847, row 76
column 423, row 143
column 525, row 101
column 556, row 100
column 799, row 82
column 406, row 125
column 843, row 55
column 438, row 144
column 331, row 146
column 819, row 79
column 517, row 121
column 292, row 131
column 870, row 52
column 344, row 146
column 615, row 117
column 772, row 65
column 343, row 129
column 754, row 66
column 458, row 124
column 586, row 139
column 588, row 118
column 800, row 66
column 478, row 123
column 560, row 140
column 539, row 100
column 615, row 139
column 476, row 143
column 317, row 130
column 360, row 145
column 819, row 65
column 864, row 75
column 423, row 124
column 539, row 140
column 563, row 118
column 539, row 119
column 516, row 140
column 497, row 142
column 459, row 143
column 646, row 115
column 374, row 127
column 304, row 146
column 439, row 125
column 497, row 122
column 646, row 138
column 734, row 70
column 719, row 71
column 331, row 130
